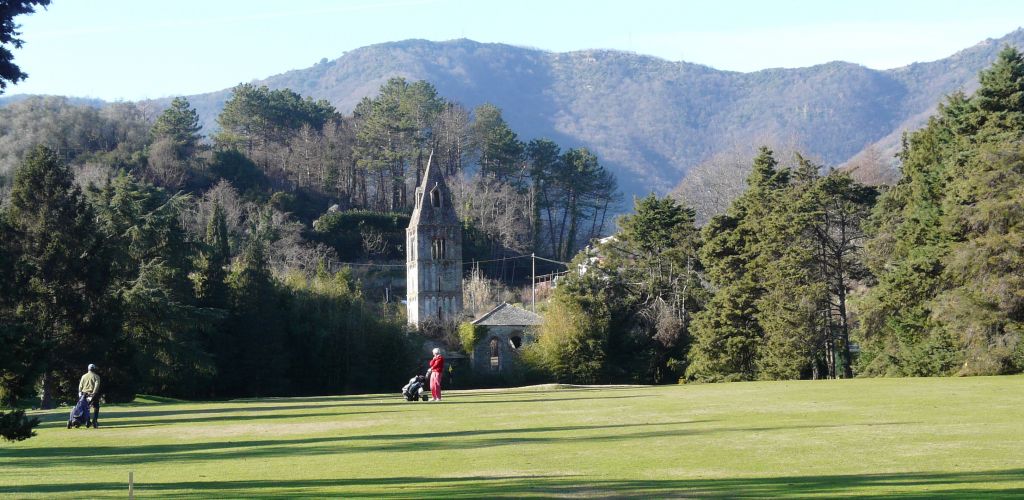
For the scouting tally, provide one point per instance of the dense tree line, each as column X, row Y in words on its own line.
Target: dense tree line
column 781, row 263
column 760, row 292
column 195, row 268
column 518, row 196
column 946, row 248
column 817, row 276
column 109, row 276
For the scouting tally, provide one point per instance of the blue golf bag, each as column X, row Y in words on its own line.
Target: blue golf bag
column 80, row 413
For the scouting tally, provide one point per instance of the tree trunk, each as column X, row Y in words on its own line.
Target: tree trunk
column 46, row 393
column 844, row 328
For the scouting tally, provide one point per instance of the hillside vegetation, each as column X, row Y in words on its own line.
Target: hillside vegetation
column 654, row 120
column 650, row 119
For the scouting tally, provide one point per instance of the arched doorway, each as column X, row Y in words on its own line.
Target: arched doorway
column 495, row 354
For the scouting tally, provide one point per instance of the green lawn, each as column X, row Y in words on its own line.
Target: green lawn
column 926, row 438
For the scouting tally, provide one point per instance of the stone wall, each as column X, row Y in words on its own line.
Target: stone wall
column 507, row 351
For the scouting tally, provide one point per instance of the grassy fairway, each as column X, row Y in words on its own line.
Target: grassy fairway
column 929, row 438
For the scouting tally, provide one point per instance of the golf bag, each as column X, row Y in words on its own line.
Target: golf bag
column 414, row 389
column 80, row 413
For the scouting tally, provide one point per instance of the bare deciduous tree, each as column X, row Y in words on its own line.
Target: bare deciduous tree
column 712, row 185
column 497, row 209
column 481, row 294
column 165, row 167
column 374, row 242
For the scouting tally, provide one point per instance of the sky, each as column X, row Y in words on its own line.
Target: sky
column 139, row 49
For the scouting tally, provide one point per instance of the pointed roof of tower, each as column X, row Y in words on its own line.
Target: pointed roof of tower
column 433, row 191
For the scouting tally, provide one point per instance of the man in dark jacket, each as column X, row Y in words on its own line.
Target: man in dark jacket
column 90, row 386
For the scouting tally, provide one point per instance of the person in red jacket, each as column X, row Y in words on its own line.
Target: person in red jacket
column 436, row 369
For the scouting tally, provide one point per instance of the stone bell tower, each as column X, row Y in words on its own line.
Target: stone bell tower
column 433, row 253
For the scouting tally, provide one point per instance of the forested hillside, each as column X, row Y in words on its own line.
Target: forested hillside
column 653, row 120
column 807, row 275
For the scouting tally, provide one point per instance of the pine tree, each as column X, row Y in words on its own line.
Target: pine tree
column 727, row 335
column 980, row 303
column 10, row 72
column 791, row 297
column 213, row 262
column 58, row 272
column 657, row 254
column 257, row 360
column 841, row 208
column 150, row 261
column 542, row 156
column 394, row 131
column 944, row 247
column 180, row 124
column 500, row 150
column 18, row 366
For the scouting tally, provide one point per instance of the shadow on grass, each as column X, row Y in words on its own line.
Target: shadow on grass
column 142, row 416
column 327, row 445
column 115, row 420
column 60, row 415
column 116, row 412
column 390, row 443
column 905, row 485
column 143, row 411
column 555, row 388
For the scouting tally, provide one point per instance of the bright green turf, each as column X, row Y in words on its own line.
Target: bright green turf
column 914, row 437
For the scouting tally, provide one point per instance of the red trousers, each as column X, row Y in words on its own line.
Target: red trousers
column 435, row 384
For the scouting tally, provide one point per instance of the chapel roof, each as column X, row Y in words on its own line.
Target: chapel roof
column 508, row 315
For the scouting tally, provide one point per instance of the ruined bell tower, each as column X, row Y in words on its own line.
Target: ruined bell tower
column 433, row 253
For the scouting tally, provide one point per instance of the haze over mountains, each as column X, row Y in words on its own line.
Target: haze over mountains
column 652, row 120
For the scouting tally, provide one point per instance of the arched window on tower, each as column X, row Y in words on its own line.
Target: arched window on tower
column 435, row 197
column 438, row 249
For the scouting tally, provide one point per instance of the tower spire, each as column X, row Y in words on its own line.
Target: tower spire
column 433, row 252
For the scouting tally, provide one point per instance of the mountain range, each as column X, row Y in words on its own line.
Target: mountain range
column 651, row 120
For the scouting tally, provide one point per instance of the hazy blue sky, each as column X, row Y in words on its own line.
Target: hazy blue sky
column 132, row 49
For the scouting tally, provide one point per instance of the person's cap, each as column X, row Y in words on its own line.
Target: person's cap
column 437, row 350
column 92, row 367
